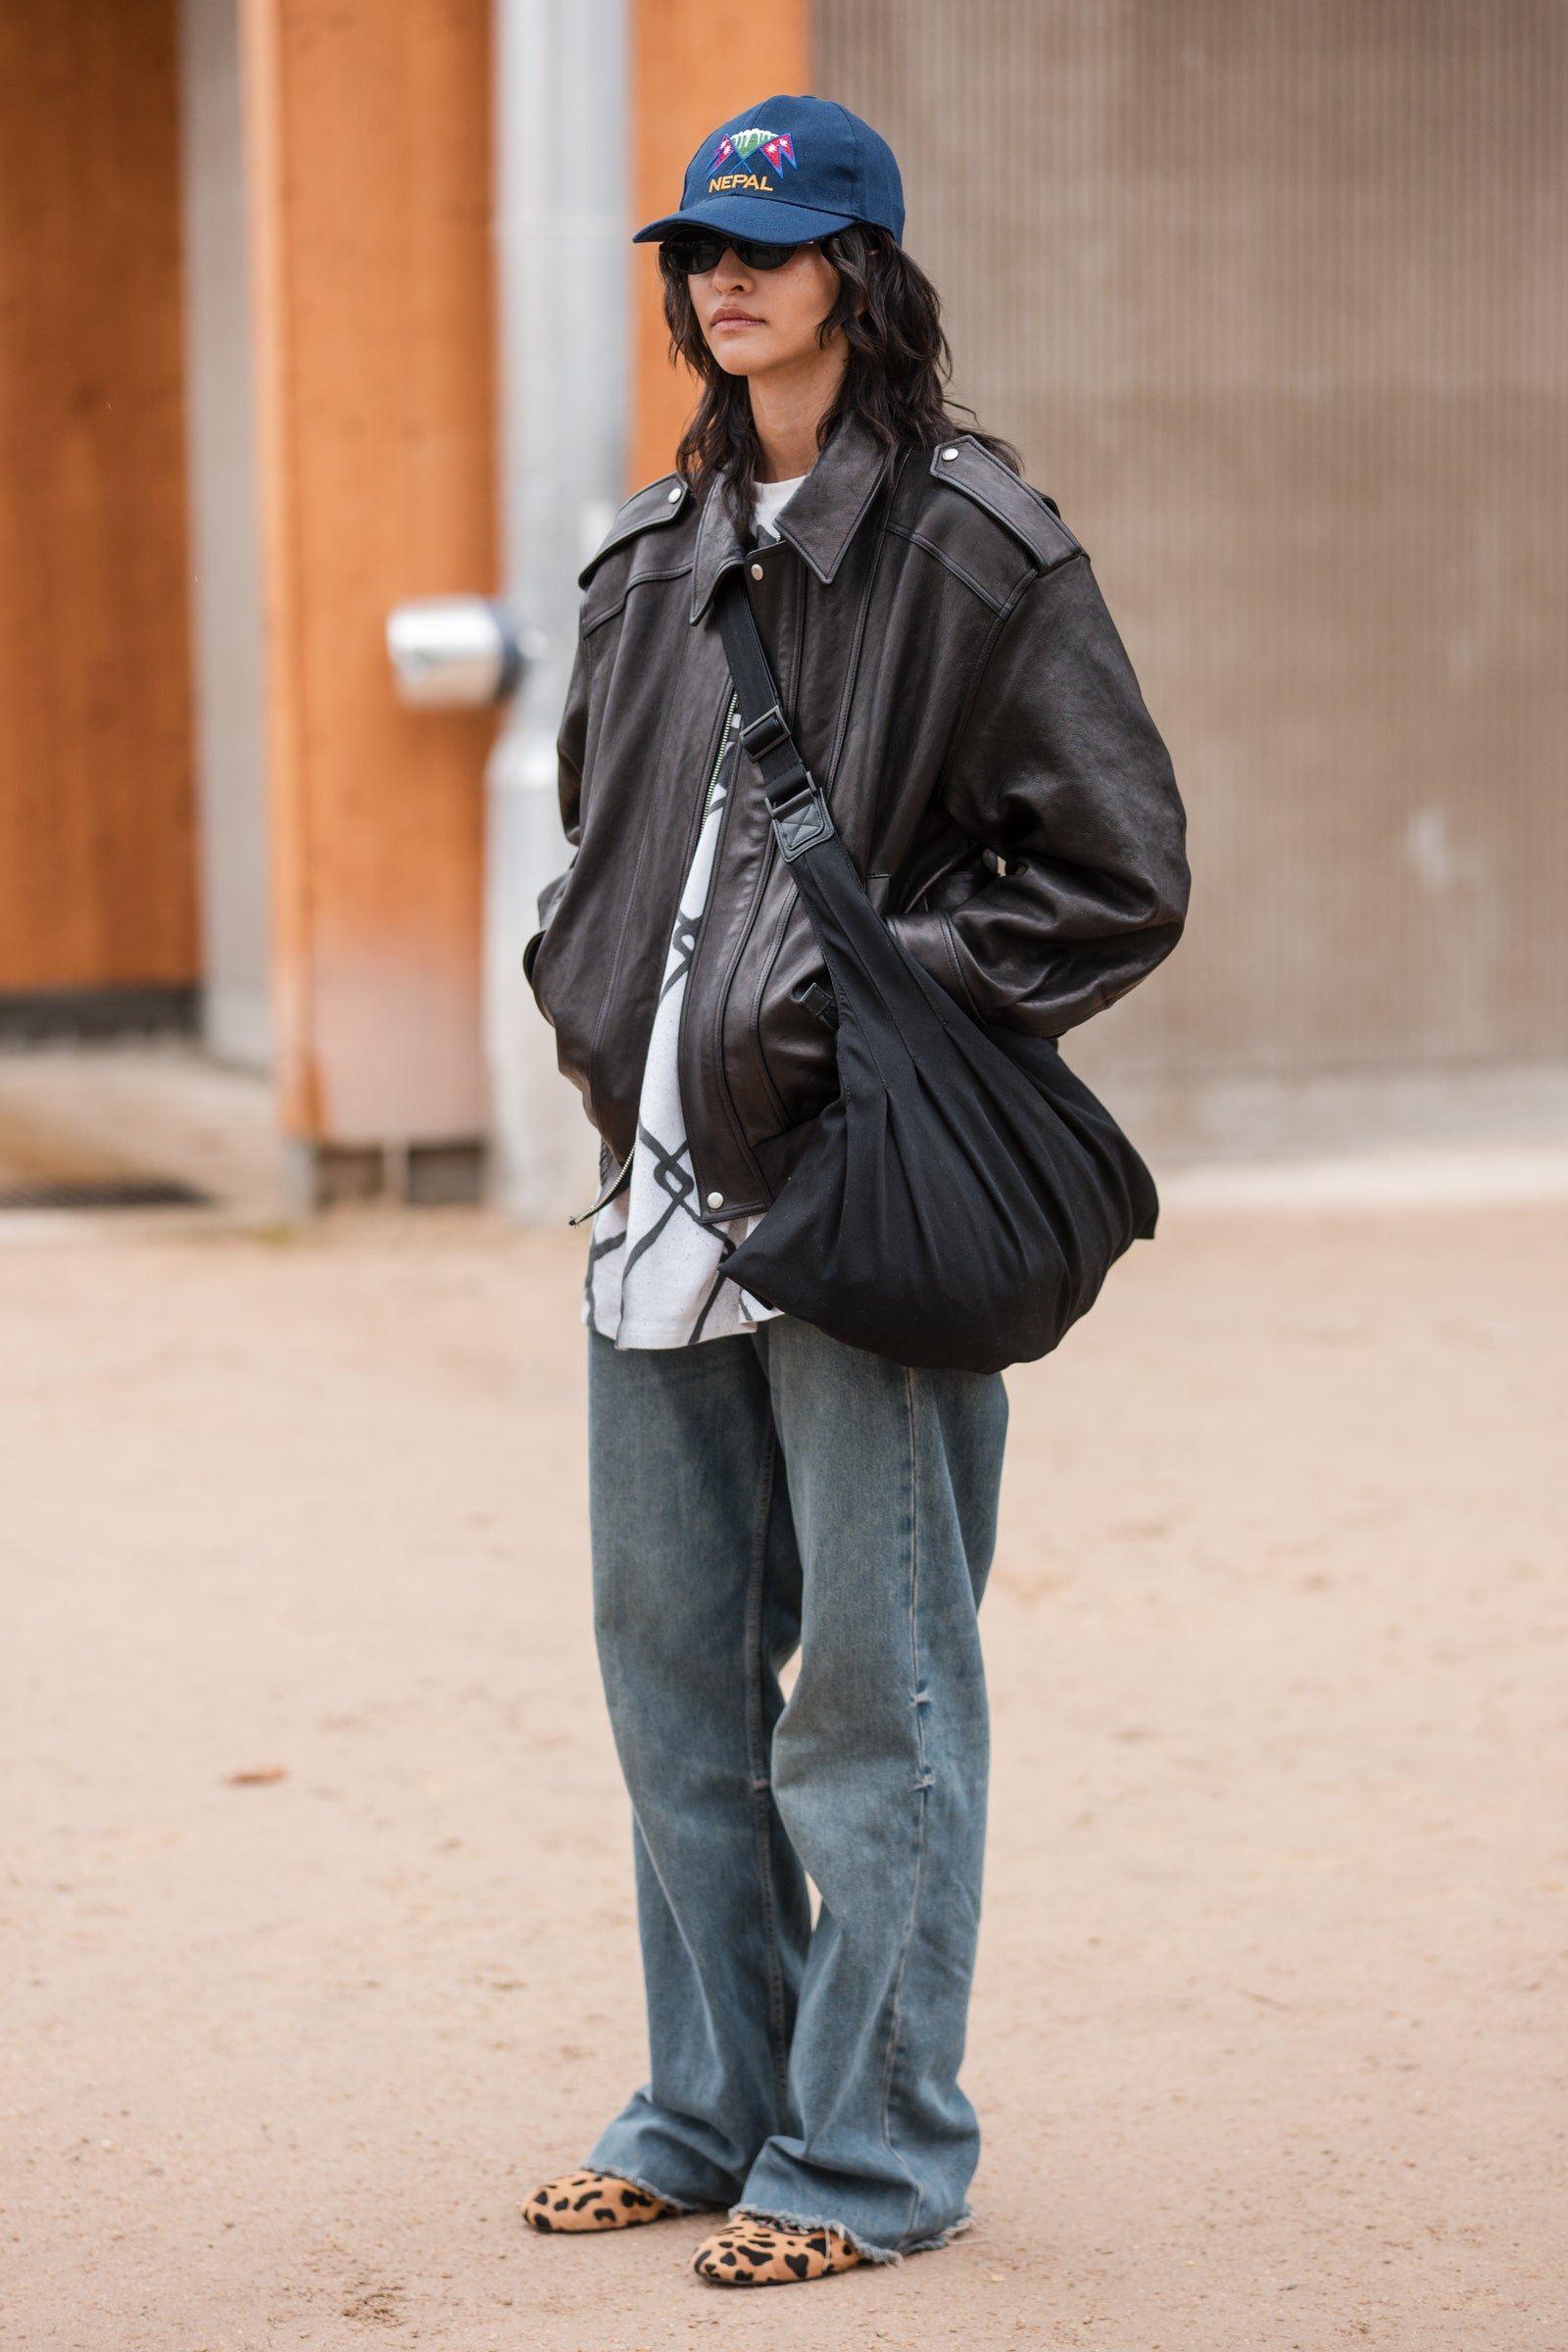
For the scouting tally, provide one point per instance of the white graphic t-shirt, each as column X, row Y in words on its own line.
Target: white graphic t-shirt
column 655, row 1277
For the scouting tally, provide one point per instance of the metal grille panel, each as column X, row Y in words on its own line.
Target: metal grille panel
column 1274, row 301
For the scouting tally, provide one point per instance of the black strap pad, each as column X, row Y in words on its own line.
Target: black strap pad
column 799, row 810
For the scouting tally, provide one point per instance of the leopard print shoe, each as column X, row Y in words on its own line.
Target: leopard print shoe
column 766, row 2254
column 591, row 2200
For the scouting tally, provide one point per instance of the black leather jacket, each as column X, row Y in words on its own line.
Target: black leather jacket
column 957, row 687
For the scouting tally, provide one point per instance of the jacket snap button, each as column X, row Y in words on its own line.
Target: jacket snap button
column 950, row 452
column 757, row 571
column 676, row 495
column 715, row 1200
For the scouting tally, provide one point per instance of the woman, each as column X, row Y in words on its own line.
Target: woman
column 759, row 1490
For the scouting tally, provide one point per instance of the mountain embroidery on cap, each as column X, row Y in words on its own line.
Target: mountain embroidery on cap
column 777, row 145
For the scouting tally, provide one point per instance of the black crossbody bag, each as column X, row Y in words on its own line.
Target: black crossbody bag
column 964, row 1194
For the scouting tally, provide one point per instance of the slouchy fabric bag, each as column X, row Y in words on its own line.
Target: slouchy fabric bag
column 964, row 1194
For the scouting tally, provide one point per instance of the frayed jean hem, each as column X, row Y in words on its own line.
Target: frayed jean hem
column 652, row 2189
column 864, row 2247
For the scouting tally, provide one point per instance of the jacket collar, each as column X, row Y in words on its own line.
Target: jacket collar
column 819, row 521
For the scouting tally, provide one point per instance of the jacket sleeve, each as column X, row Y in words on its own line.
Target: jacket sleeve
column 1059, row 772
column 570, row 744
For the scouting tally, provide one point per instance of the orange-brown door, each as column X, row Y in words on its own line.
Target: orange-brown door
column 97, row 879
column 368, row 155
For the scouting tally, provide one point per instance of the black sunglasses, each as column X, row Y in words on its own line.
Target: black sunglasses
column 694, row 251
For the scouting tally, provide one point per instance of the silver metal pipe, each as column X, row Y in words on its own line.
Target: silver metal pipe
column 562, row 230
column 454, row 653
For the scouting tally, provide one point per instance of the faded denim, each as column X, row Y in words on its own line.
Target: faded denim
column 751, row 1498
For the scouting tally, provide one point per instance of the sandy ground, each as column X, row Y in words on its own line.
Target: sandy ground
column 1269, row 2032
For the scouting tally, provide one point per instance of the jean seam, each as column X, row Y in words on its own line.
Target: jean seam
column 759, row 1772
column 922, row 1788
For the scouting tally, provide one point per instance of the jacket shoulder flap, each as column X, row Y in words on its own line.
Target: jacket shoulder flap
column 663, row 501
column 1028, row 517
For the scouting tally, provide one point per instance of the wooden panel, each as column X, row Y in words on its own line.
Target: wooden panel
column 97, row 879
column 1274, row 300
column 368, row 131
column 694, row 63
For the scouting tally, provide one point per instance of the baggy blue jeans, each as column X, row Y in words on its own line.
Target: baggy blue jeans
column 752, row 1498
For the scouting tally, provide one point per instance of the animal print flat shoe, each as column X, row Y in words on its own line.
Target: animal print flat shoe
column 592, row 2201
column 765, row 2254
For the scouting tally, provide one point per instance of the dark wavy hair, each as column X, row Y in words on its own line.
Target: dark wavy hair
column 896, row 379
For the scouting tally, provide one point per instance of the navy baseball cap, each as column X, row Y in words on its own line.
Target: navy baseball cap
column 785, row 172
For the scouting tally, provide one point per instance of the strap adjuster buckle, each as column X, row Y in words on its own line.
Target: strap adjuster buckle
column 765, row 734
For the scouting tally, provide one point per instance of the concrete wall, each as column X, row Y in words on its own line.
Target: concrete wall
column 1274, row 301
column 224, row 549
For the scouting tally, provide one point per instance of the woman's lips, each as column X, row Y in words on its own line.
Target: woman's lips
column 734, row 319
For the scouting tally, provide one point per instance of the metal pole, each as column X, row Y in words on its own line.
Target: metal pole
column 561, row 244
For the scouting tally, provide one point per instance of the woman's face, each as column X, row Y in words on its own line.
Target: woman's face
column 753, row 321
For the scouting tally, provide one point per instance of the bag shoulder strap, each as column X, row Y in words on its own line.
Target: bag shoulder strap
column 797, row 806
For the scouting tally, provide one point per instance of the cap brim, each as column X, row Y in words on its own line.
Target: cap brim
column 769, row 218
